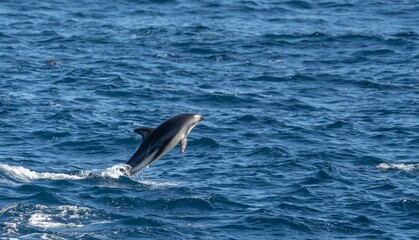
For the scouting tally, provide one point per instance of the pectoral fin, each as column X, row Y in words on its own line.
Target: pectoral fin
column 145, row 132
column 183, row 144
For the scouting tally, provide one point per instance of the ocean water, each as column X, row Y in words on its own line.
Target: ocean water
column 311, row 129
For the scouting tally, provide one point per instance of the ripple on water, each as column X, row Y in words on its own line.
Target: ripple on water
column 338, row 124
column 276, row 152
column 223, row 202
column 406, row 205
column 247, row 118
column 48, row 134
column 188, row 204
column 263, row 221
column 143, row 221
column 326, row 174
column 225, row 100
column 361, row 220
column 204, row 142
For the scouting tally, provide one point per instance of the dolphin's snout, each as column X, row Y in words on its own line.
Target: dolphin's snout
column 198, row 118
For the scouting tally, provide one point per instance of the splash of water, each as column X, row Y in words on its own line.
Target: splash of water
column 25, row 174
column 114, row 172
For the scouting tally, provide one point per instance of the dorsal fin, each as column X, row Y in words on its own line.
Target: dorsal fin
column 145, row 132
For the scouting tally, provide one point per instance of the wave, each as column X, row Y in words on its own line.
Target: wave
column 25, row 174
column 114, row 172
column 399, row 166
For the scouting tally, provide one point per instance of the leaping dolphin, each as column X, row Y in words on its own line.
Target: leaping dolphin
column 159, row 141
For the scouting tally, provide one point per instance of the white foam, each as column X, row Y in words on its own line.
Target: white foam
column 22, row 173
column 139, row 177
column 115, row 172
column 399, row 166
column 157, row 185
column 10, row 228
column 26, row 174
column 43, row 216
column 45, row 221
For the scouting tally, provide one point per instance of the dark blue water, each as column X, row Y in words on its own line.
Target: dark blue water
column 311, row 129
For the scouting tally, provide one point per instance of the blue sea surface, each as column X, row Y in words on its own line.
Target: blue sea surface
column 311, row 126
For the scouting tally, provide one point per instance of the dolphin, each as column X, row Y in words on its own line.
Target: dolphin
column 159, row 141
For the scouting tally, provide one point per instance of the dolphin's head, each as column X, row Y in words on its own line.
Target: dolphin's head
column 191, row 120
